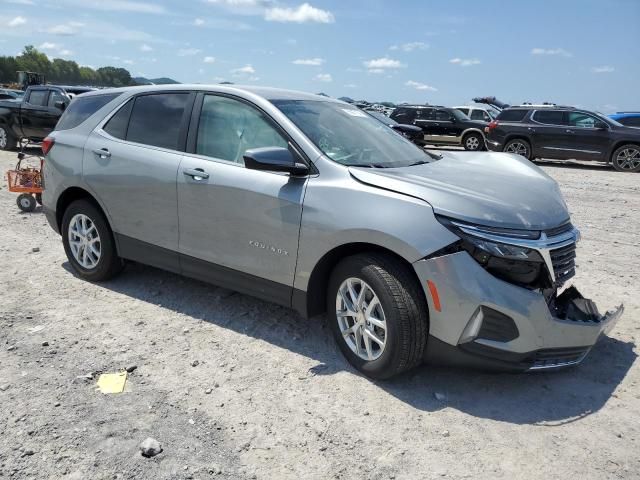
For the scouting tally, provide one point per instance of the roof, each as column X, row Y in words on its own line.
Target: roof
column 267, row 93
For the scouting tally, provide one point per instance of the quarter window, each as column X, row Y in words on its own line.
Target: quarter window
column 228, row 128
column 549, row 117
column 157, row 119
column 582, row 120
column 117, row 125
column 82, row 108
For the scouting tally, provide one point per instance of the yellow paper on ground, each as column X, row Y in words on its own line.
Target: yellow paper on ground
column 112, row 382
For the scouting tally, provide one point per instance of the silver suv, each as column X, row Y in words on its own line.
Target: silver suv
column 309, row 202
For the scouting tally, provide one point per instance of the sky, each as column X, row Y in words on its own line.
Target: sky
column 574, row 52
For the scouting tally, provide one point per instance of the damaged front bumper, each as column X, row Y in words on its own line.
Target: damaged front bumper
column 486, row 322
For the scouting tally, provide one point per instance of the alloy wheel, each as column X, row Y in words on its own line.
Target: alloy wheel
column 3, row 138
column 518, row 148
column 361, row 319
column 472, row 143
column 84, row 241
column 628, row 159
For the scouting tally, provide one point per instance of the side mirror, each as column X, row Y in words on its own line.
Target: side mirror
column 60, row 105
column 274, row 159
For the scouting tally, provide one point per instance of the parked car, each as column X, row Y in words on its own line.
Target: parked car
column 311, row 203
column 443, row 125
column 486, row 114
column 411, row 132
column 556, row 132
column 10, row 94
column 628, row 119
column 35, row 116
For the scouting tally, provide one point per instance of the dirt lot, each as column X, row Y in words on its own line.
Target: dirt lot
column 234, row 387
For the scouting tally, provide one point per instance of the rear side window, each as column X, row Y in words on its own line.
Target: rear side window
column 117, row 125
column 157, row 119
column 443, row 116
column 38, row 98
column 480, row 115
column 82, row 108
column 549, row 117
column 512, row 115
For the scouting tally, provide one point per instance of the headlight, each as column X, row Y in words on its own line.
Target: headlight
column 502, row 250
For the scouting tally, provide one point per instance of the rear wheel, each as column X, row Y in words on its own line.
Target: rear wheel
column 519, row 147
column 378, row 314
column 626, row 158
column 473, row 142
column 7, row 141
column 88, row 242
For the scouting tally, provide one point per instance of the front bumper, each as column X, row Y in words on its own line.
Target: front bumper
column 469, row 296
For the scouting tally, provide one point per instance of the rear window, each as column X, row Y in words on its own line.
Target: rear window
column 82, row 108
column 157, row 119
column 512, row 115
column 549, row 117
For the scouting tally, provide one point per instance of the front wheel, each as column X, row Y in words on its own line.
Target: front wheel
column 519, row 147
column 88, row 242
column 473, row 142
column 378, row 314
column 626, row 158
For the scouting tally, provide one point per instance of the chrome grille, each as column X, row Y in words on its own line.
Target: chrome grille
column 564, row 262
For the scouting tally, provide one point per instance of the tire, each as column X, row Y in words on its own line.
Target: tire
column 519, row 146
column 626, row 158
column 402, row 306
column 473, row 142
column 39, row 198
column 7, row 140
column 26, row 202
column 96, row 268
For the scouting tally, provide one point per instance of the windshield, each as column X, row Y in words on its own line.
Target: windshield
column 349, row 136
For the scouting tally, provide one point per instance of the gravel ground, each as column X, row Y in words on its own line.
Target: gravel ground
column 233, row 387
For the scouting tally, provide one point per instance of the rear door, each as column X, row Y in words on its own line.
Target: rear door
column 131, row 162
column 238, row 227
column 588, row 137
column 548, row 131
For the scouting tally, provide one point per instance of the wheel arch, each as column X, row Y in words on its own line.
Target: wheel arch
column 72, row 194
column 313, row 301
column 617, row 145
column 471, row 130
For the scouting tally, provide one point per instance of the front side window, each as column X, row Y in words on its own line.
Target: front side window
column 157, row 119
column 228, row 128
column 349, row 136
column 38, row 98
column 549, row 117
column 82, row 108
column 583, row 120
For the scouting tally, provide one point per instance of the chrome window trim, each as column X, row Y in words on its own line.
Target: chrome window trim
column 572, row 150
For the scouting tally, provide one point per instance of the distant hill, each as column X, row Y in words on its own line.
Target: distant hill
column 154, row 81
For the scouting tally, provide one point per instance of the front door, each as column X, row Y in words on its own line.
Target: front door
column 587, row 137
column 238, row 227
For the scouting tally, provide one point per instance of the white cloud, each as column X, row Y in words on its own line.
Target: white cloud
column 314, row 62
column 65, row 53
column 351, row 85
column 16, row 22
column 188, row 52
column 465, row 62
column 145, row 48
column 323, row 77
column 376, row 71
column 302, row 14
column 21, row 2
column 410, row 47
column 198, row 22
column 64, row 30
column 128, row 62
column 603, row 69
column 550, row 51
column 49, row 46
column 209, row 59
column 246, row 70
column 420, row 86
column 118, row 6
column 382, row 63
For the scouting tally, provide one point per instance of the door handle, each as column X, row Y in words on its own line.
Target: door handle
column 196, row 173
column 569, row 131
column 531, row 129
column 102, row 153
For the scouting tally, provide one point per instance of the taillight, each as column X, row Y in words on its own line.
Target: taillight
column 493, row 124
column 47, row 143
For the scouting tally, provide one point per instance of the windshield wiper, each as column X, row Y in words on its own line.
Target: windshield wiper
column 419, row 162
column 366, row 165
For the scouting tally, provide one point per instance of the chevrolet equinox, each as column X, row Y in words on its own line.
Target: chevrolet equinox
column 306, row 201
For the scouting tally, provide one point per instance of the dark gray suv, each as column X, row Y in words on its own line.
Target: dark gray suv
column 311, row 203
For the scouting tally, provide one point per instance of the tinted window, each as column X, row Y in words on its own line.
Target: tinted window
column 228, row 128
column 480, row 115
column 156, row 119
column 582, row 120
column 465, row 111
column 630, row 121
column 512, row 115
column 82, row 108
column 404, row 115
column 117, row 125
column 38, row 97
column 443, row 115
column 425, row 113
column 549, row 117
column 54, row 97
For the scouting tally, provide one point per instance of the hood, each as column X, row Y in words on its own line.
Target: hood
column 493, row 189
